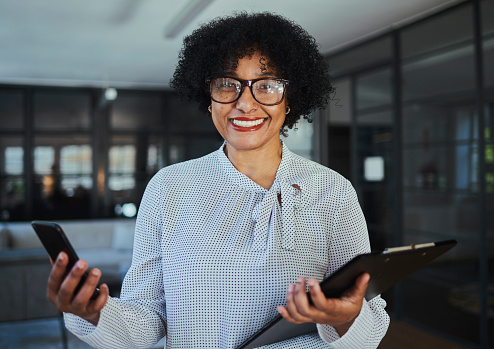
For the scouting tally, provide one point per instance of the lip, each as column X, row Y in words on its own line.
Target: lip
column 246, row 129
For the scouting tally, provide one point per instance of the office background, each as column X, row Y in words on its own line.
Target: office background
column 411, row 124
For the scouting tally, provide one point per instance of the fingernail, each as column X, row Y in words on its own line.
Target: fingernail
column 290, row 288
column 299, row 280
column 79, row 265
column 312, row 282
column 95, row 272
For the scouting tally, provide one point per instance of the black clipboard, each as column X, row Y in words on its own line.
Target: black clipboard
column 386, row 268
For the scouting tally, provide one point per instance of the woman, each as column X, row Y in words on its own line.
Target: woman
column 225, row 242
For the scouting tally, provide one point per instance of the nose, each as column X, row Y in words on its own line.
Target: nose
column 246, row 102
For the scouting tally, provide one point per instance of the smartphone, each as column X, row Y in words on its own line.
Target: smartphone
column 55, row 241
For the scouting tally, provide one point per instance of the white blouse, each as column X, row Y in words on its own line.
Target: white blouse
column 214, row 253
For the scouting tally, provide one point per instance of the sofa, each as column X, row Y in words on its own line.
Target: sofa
column 24, row 264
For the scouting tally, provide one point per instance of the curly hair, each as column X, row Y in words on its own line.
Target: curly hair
column 217, row 47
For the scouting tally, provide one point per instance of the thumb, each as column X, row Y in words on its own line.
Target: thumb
column 358, row 289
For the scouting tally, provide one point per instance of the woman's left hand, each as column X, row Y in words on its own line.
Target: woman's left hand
column 337, row 312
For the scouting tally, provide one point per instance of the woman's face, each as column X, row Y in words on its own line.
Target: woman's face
column 246, row 124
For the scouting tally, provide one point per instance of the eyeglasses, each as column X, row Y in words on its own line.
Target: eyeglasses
column 267, row 91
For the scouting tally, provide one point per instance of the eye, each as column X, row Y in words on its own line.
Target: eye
column 269, row 86
column 226, row 85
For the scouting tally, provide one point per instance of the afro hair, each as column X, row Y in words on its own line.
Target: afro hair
column 217, row 46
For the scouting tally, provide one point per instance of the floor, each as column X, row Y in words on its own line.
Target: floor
column 404, row 336
column 46, row 334
column 40, row 334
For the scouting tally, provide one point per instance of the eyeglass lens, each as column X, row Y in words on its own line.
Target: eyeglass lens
column 265, row 91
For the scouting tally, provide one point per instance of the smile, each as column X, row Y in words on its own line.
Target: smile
column 244, row 123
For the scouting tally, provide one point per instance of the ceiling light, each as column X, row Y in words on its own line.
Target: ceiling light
column 111, row 94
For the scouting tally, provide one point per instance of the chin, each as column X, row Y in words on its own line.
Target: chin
column 246, row 144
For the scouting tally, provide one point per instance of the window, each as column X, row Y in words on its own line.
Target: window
column 374, row 169
column 14, row 160
column 122, row 167
column 62, row 176
column 75, row 168
column 12, row 186
column 44, row 159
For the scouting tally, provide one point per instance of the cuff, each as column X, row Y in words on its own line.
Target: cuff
column 355, row 337
column 95, row 336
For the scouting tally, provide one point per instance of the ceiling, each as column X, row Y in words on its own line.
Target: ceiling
column 121, row 43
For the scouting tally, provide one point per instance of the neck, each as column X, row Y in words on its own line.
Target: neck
column 260, row 165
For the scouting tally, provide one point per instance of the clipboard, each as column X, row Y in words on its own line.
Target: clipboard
column 386, row 268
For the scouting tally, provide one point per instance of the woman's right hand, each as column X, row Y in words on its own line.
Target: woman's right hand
column 61, row 291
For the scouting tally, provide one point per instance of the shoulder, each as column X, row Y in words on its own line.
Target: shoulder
column 186, row 174
column 308, row 170
column 196, row 167
column 320, row 186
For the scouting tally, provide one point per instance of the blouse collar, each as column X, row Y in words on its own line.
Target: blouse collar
column 262, row 212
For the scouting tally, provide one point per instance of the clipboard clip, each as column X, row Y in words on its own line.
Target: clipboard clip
column 408, row 247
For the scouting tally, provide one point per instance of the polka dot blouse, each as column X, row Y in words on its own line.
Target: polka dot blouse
column 214, row 253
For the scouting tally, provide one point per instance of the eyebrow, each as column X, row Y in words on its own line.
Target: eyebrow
column 265, row 73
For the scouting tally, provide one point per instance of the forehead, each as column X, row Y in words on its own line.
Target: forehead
column 254, row 61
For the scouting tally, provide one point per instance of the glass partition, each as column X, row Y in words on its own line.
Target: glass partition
column 12, row 182
column 11, row 109
column 428, row 86
column 62, row 177
column 371, row 53
column 61, row 110
column 440, row 169
column 137, row 111
column 487, row 13
column 374, row 152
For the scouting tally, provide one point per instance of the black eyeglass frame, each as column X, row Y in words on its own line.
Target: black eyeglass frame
column 248, row 83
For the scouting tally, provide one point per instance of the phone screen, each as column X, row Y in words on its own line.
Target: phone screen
column 55, row 241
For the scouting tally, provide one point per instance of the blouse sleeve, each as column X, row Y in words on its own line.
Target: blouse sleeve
column 137, row 319
column 348, row 239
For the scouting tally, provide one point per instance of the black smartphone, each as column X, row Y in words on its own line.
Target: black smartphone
column 55, row 241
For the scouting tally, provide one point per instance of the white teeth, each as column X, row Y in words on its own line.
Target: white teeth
column 247, row 123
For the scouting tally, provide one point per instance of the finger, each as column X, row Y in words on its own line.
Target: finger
column 83, row 297
column 290, row 305
column 100, row 301
column 297, row 302
column 69, row 284
column 357, row 291
column 300, row 298
column 308, row 310
column 57, row 275
column 286, row 314
column 94, row 309
column 364, row 280
column 318, row 297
